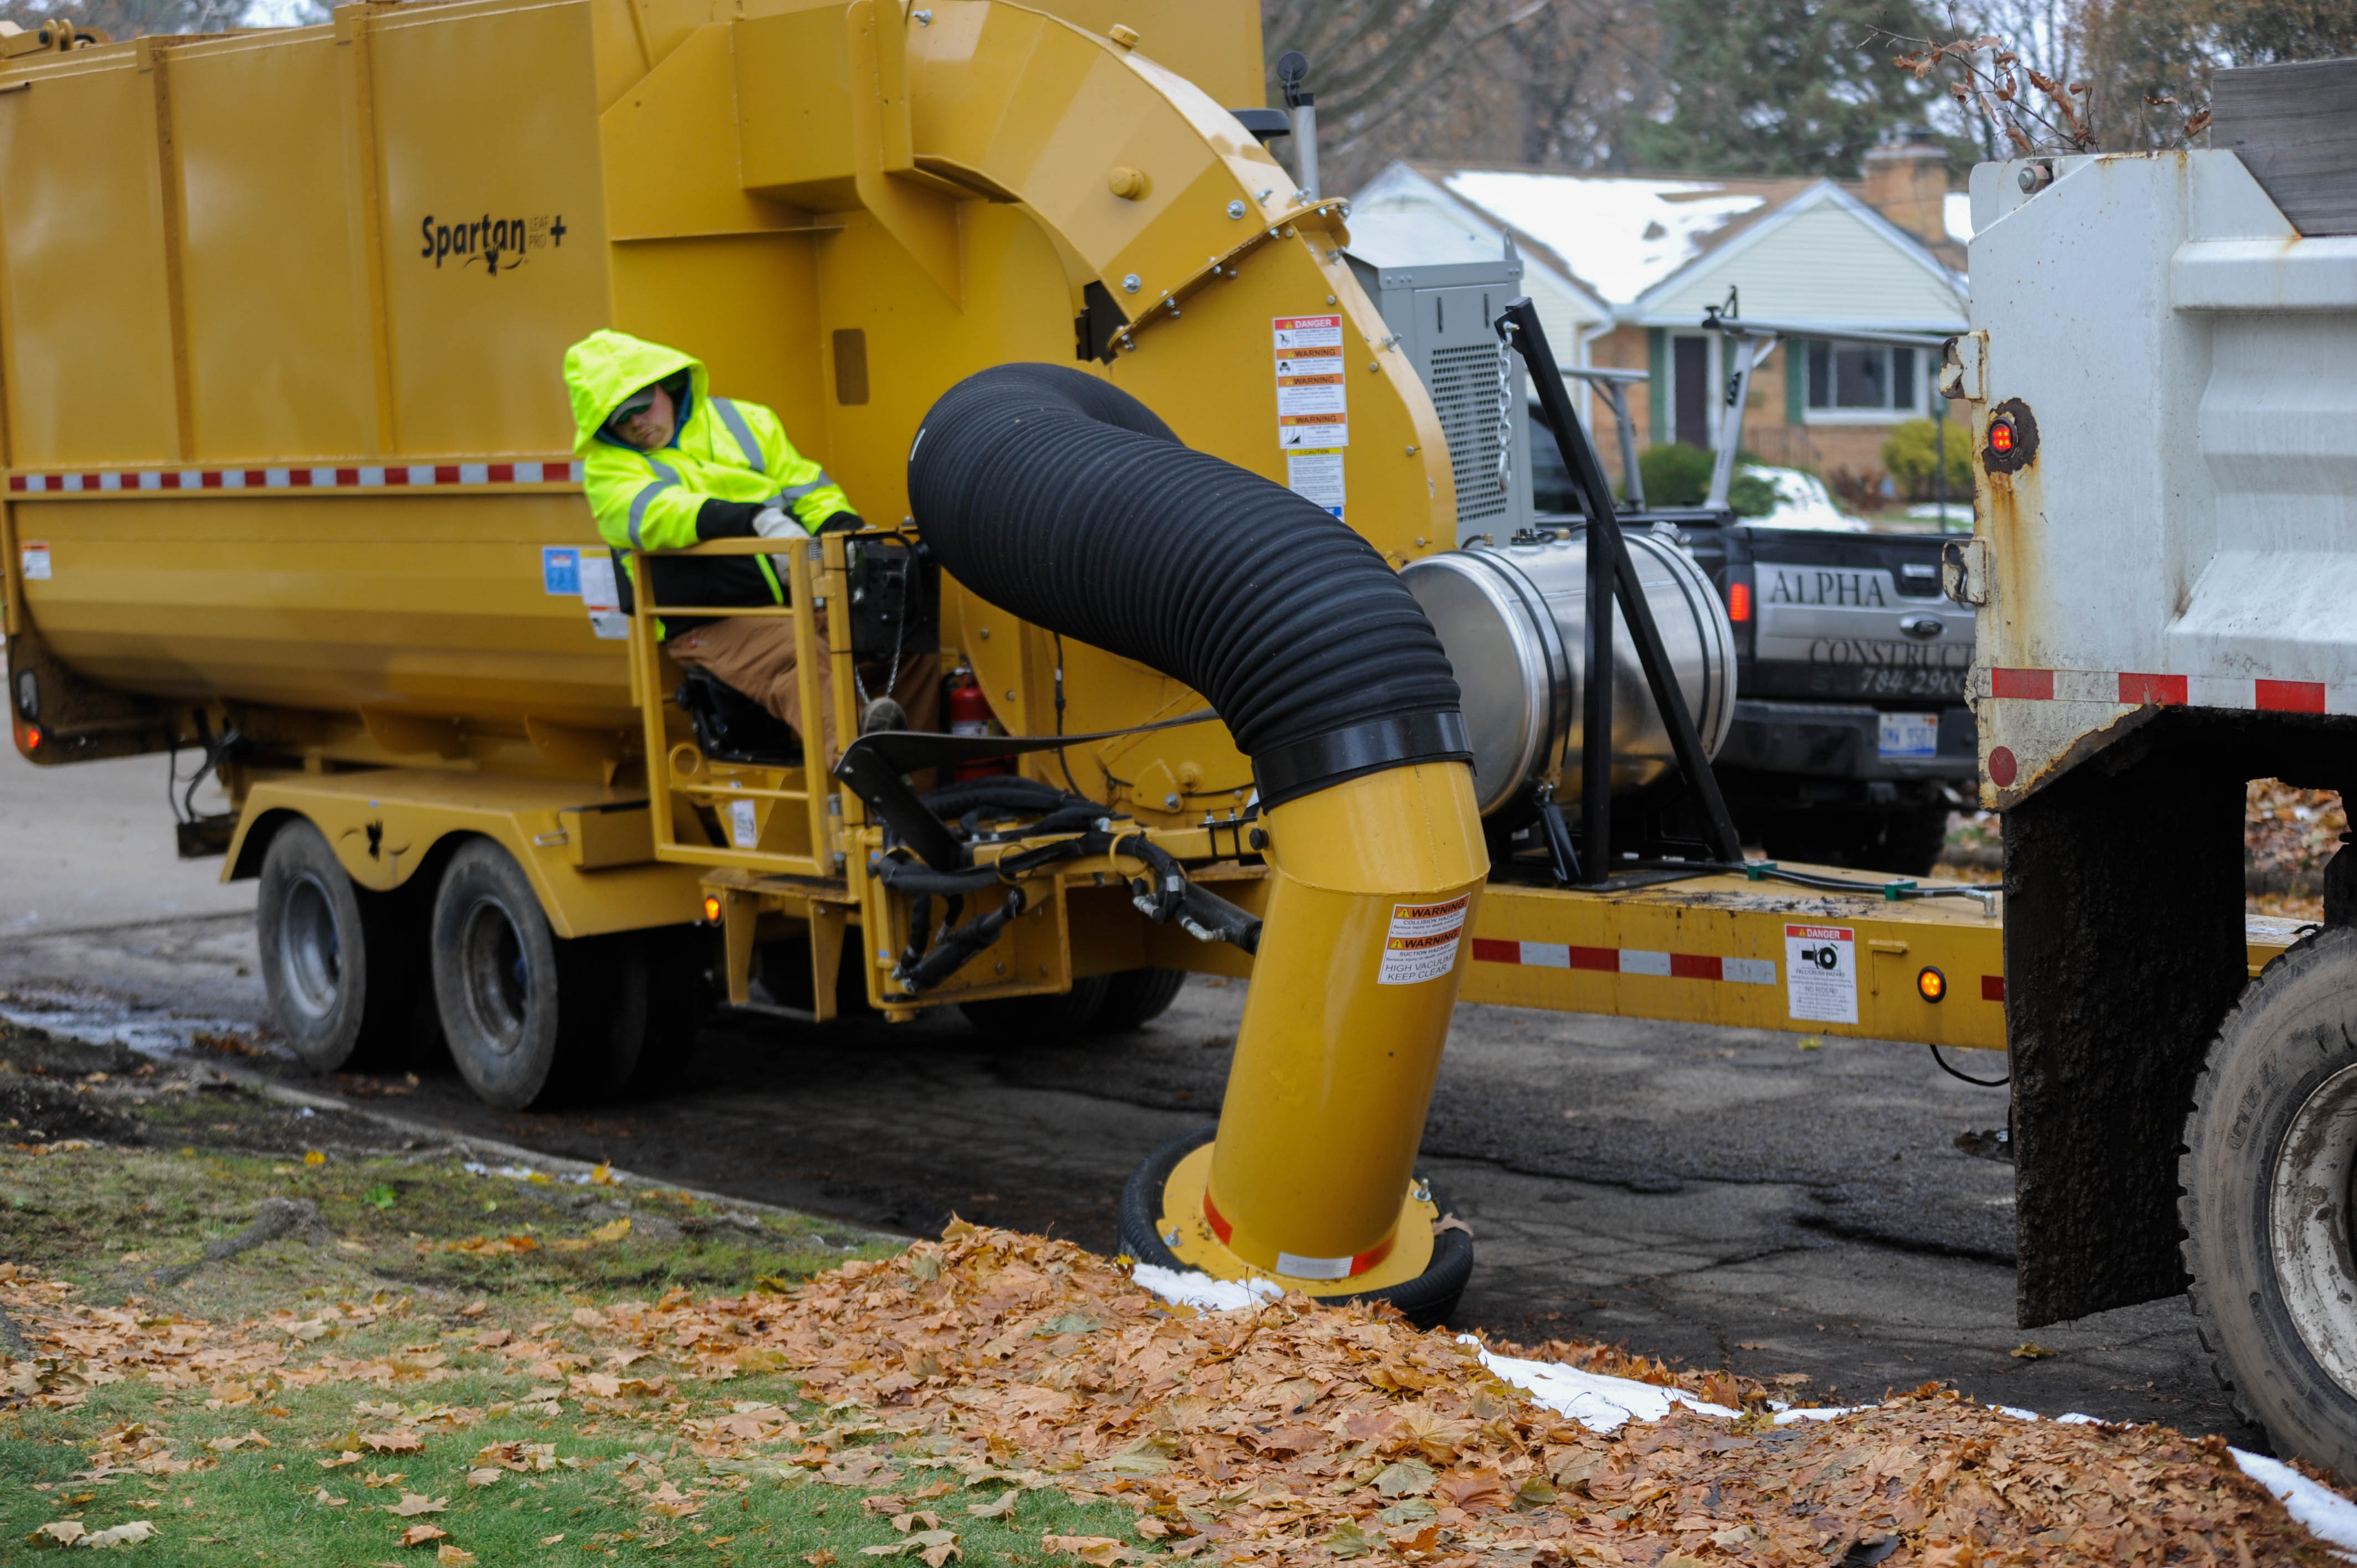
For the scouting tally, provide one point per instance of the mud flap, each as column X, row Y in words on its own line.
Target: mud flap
column 2124, row 949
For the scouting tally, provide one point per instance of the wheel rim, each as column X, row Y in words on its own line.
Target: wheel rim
column 2316, row 1269
column 311, row 949
column 498, row 976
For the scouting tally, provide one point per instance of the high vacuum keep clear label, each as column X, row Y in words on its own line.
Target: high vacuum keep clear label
column 1422, row 943
column 1820, row 973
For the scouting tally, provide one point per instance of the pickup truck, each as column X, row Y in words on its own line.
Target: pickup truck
column 1852, row 740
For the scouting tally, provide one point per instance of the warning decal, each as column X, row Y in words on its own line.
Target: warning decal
column 1312, row 404
column 1421, row 944
column 1317, row 476
column 34, row 557
column 601, row 595
column 1820, row 973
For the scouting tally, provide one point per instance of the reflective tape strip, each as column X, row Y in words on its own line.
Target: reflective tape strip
column 793, row 493
column 735, row 420
column 1627, row 960
column 409, row 475
column 638, row 502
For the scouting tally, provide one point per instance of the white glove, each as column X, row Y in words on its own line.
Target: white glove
column 774, row 523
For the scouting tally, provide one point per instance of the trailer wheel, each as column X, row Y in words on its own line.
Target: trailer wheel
column 1046, row 1018
column 529, row 1017
column 2267, row 1203
column 1135, row 997
column 1424, row 1301
column 338, row 960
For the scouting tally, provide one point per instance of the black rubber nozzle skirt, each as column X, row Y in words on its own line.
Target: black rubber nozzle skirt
column 1064, row 500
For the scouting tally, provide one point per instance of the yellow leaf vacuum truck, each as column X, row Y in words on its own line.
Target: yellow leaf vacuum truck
column 1039, row 367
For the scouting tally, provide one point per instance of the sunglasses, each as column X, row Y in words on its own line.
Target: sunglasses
column 630, row 407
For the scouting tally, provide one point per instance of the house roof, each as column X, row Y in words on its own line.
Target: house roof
column 1808, row 248
column 1438, row 229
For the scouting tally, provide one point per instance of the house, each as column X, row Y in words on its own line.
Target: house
column 1884, row 254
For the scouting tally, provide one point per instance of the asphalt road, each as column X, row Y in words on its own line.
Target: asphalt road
column 1725, row 1197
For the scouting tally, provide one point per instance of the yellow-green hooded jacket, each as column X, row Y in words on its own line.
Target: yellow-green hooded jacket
column 725, row 462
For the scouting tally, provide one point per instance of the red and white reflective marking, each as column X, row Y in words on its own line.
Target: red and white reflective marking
column 2136, row 688
column 1294, row 1264
column 359, row 476
column 1627, row 960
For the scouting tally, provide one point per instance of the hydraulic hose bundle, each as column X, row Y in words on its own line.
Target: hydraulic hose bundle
column 1061, row 499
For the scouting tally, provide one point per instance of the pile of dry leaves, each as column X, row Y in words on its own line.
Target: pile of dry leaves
column 1290, row 1433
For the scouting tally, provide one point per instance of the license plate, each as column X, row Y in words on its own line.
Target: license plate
column 1911, row 734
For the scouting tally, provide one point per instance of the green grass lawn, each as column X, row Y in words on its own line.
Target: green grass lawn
column 374, row 1389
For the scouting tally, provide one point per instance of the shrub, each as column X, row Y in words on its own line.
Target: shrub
column 1676, row 474
column 1909, row 457
column 1751, row 495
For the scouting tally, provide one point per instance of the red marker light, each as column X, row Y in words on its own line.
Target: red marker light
column 1739, row 601
column 32, row 737
column 2001, row 436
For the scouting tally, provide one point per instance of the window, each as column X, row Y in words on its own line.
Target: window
column 1862, row 381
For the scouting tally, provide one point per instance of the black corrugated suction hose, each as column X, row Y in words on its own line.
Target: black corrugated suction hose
column 1064, row 500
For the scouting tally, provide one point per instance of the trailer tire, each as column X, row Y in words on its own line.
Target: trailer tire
column 2265, row 1195
column 1135, row 997
column 530, row 1018
column 1425, row 1301
column 338, row 961
column 1050, row 1018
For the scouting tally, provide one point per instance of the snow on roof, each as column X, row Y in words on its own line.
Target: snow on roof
column 1620, row 235
column 1419, row 238
column 1956, row 213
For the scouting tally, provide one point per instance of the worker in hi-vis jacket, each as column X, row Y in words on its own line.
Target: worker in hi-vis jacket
column 668, row 466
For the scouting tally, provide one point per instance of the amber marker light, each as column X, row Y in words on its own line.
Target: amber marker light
column 2001, row 436
column 1931, row 985
column 712, row 908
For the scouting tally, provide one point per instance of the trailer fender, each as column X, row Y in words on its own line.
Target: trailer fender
column 586, row 848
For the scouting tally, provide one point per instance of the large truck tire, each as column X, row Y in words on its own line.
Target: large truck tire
column 530, row 1018
column 1135, row 997
column 1425, row 1301
column 1048, row 1019
column 2265, row 1198
column 339, row 962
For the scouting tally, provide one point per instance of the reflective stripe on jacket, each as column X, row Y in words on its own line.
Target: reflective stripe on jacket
column 722, row 449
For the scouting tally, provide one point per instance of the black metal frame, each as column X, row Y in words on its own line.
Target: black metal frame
column 1612, row 576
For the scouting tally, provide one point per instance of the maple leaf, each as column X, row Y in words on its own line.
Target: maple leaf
column 419, row 1534
column 612, row 1232
column 823, row 1557
column 1403, row 1478
column 1102, row 1551
column 415, row 1503
column 1003, row 1507
column 451, row 1556
column 128, row 1534
column 1350, row 1540
column 64, row 1532
column 484, row 1477
column 327, row 1500
column 399, row 1442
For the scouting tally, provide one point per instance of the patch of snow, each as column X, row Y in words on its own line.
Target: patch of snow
column 1957, row 216
column 525, row 1173
column 2323, row 1513
column 1621, row 236
column 161, row 1035
column 1597, row 1402
column 1201, row 1290
column 1821, row 1412
column 1802, row 502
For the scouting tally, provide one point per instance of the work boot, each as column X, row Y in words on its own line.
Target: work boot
column 883, row 714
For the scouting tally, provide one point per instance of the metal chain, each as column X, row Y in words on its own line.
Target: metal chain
column 1505, row 419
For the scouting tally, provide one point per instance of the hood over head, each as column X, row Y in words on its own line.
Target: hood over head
column 604, row 367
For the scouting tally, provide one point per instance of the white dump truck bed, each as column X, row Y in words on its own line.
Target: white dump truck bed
column 2176, row 523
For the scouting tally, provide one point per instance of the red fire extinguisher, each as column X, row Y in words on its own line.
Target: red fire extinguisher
column 970, row 715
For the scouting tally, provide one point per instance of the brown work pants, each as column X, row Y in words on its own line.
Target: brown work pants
column 754, row 655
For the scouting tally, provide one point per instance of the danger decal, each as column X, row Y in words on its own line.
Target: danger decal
column 1820, row 973
column 1313, row 414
